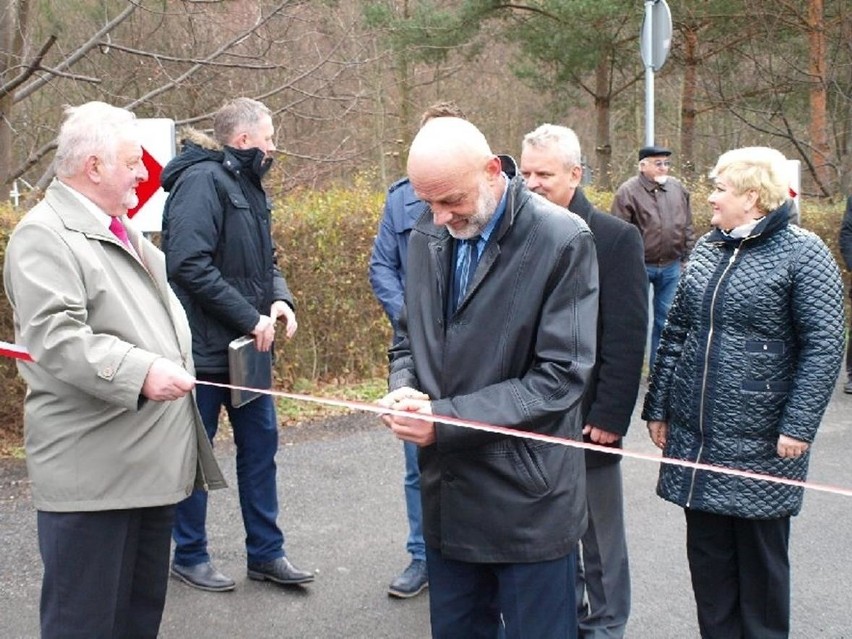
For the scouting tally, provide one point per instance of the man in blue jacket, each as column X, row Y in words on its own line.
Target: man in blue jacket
column 387, row 277
column 221, row 264
column 551, row 163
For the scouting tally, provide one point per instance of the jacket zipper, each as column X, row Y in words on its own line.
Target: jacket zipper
column 706, row 371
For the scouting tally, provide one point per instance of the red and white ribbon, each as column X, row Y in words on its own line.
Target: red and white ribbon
column 12, row 350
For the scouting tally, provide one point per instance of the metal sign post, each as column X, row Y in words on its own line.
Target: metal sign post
column 655, row 42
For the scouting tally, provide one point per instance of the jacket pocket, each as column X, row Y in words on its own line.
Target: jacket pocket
column 529, row 464
column 762, row 404
column 766, row 360
column 766, row 346
column 238, row 200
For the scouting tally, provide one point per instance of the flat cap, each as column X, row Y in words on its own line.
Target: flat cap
column 653, row 151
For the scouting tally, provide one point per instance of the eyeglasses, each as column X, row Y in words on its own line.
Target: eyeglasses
column 662, row 163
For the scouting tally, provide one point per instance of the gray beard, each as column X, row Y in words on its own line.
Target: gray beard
column 486, row 207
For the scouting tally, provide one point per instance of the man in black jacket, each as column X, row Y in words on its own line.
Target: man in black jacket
column 497, row 327
column 846, row 251
column 221, row 264
column 551, row 163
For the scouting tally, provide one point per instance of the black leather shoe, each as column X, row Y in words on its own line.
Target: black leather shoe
column 411, row 582
column 203, row 576
column 281, row 571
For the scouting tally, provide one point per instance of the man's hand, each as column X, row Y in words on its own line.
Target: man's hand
column 418, row 431
column 659, row 432
column 599, row 435
column 406, row 392
column 282, row 309
column 166, row 381
column 411, row 429
column 791, row 448
column 264, row 333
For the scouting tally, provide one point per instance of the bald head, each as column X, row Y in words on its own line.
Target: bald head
column 448, row 141
column 453, row 170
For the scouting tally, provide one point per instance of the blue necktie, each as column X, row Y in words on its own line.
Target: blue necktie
column 466, row 261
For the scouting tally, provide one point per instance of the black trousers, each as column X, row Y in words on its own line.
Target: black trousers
column 740, row 575
column 105, row 573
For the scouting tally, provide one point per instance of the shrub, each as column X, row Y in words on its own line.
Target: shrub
column 12, row 398
column 324, row 240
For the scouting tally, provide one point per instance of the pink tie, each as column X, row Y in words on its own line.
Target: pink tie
column 119, row 231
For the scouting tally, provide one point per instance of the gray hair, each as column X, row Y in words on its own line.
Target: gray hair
column 93, row 128
column 562, row 137
column 237, row 116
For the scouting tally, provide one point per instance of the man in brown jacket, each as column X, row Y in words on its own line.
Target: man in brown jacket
column 658, row 205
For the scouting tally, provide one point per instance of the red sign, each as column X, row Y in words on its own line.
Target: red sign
column 146, row 189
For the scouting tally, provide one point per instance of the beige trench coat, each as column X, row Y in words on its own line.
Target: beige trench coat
column 94, row 318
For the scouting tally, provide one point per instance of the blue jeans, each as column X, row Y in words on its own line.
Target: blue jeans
column 663, row 281
column 415, row 545
column 255, row 429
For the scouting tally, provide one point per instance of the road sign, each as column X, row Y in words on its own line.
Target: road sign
column 655, row 42
column 158, row 147
column 654, row 45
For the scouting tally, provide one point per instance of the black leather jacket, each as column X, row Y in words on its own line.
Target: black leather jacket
column 218, row 246
column 751, row 350
column 517, row 353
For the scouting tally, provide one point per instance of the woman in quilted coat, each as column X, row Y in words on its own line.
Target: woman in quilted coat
column 746, row 366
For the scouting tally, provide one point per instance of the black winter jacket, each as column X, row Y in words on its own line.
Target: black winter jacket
column 218, row 246
column 751, row 350
column 517, row 352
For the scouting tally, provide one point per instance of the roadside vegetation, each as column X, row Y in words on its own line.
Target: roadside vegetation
column 325, row 239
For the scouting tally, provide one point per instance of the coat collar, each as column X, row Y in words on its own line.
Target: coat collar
column 516, row 197
column 651, row 185
column 76, row 219
column 580, row 205
column 72, row 214
column 773, row 222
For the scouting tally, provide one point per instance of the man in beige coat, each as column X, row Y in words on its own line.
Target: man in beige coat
column 112, row 435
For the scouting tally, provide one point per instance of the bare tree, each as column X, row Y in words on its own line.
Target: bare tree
column 169, row 58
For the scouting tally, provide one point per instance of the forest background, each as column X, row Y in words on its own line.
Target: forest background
column 348, row 79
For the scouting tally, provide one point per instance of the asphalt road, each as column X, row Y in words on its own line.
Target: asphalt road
column 343, row 515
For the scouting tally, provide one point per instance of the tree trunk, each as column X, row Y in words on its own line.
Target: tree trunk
column 690, row 82
column 12, row 25
column 603, row 147
column 404, row 85
column 818, row 96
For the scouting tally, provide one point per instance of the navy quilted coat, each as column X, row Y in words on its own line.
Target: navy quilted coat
column 751, row 349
